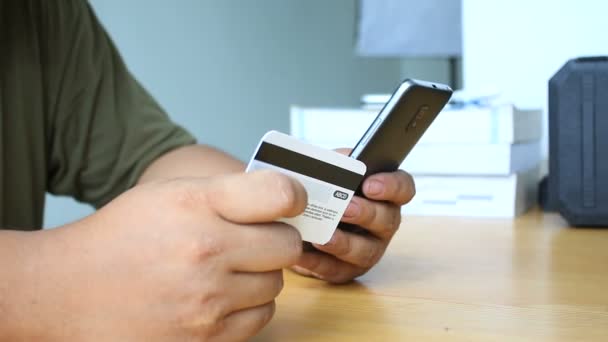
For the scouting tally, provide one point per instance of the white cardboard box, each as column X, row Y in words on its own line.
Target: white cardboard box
column 474, row 196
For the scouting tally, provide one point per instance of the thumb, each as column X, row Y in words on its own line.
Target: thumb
column 260, row 196
column 344, row 150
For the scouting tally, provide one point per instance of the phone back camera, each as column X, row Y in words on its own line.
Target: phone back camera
column 420, row 114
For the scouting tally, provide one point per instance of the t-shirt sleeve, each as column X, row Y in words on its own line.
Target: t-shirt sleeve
column 103, row 128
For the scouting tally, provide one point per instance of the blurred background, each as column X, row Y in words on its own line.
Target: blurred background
column 230, row 70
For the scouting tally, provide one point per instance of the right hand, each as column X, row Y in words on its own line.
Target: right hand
column 184, row 259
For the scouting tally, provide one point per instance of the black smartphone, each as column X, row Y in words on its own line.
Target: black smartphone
column 398, row 127
column 400, row 124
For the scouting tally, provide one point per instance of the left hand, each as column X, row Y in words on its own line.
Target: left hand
column 348, row 255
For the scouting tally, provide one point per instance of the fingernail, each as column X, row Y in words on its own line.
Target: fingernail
column 306, row 272
column 352, row 210
column 374, row 187
column 317, row 275
column 329, row 243
column 301, row 270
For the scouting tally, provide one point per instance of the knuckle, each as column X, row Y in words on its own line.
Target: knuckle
column 277, row 282
column 339, row 277
column 288, row 198
column 370, row 257
column 396, row 223
column 341, row 246
column 314, row 262
column 263, row 179
column 213, row 312
column 263, row 315
column 213, row 331
column 207, row 247
column 266, row 313
column 369, row 214
column 357, row 272
column 410, row 188
column 332, row 273
column 186, row 196
column 293, row 245
column 392, row 223
column 216, row 328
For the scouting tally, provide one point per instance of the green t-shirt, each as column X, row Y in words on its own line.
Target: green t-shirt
column 73, row 120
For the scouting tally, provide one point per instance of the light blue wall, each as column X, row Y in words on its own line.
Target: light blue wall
column 228, row 70
column 434, row 69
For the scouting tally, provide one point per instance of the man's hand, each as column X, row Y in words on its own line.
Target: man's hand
column 186, row 259
column 348, row 255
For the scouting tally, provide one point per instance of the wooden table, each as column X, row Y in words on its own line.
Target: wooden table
column 528, row 279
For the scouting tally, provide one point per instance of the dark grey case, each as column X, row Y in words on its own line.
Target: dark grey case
column 577, row 186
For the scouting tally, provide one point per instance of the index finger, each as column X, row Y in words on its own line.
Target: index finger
column 395, row 187
column 263, row 247
column 260, row 196
column 344, row 150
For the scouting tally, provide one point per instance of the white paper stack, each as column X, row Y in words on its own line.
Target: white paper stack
column 472, row 161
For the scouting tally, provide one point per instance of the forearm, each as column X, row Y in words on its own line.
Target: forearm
column 20, row 280
column 191, row 161
column 47, row 282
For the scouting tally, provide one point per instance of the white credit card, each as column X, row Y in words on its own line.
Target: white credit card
column 330, row 179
